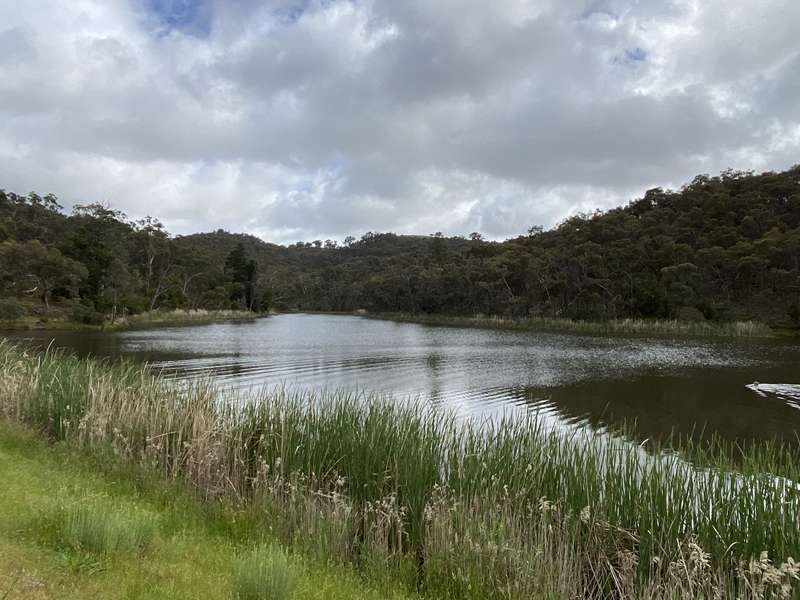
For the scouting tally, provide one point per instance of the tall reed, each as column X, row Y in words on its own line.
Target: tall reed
column 488, row 509
column 626, row 326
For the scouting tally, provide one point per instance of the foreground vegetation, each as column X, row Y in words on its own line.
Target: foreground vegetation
column 721, row 248
column 74, row 527
column 739, row 329
column 414, row 500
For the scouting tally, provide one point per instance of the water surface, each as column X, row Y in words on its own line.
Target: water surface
column 664, row 385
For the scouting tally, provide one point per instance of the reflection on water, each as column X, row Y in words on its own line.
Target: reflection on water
column 662, row 385
column 790, row 392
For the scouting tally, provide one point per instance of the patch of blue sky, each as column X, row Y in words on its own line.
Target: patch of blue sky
column 290, row 11
column 192, row 17
column 635, row 54
column 631, row 57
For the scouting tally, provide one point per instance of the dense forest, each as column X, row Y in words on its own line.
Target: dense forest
column 722, row 248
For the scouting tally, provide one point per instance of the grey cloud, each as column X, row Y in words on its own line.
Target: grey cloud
column 323, row 118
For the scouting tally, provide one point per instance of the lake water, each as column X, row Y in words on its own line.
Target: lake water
column 663, row 385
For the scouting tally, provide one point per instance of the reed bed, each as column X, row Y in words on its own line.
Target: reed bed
column 658, row 327
column 494, row 509
column 179, row 316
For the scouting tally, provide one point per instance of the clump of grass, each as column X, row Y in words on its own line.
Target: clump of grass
column 93, row 527
column 264, row 574
column 178, row 316
column 630, row 326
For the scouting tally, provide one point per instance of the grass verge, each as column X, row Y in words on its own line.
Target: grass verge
column 83, row 528
column 166, row 318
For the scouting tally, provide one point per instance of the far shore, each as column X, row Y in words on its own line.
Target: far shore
column 157, row 318
column 658, row 327
column 626, row 326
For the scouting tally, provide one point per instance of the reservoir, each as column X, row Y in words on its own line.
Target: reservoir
column 689, row 386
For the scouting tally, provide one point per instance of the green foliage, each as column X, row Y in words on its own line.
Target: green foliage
column 98, row 528
column 794, row 313
column 80, row 313
column 242, row 273
column 724, row 246
column 10, row 309
column 264, row 574
column 33, row 267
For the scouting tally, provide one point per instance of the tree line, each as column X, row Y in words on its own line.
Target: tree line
column 722, row 247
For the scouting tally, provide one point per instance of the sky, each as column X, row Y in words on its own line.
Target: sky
column 315, row 119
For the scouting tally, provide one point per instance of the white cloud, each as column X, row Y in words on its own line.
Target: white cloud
column 320, row 118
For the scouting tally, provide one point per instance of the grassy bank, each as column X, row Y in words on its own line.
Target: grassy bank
column 165, row 318
column 413, row 499
column 78, row 528
column 157, row 318
column 658, row 327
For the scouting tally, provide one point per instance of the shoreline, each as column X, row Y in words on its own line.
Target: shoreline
column 70, row 545
column 644, row 327
column 141, row 321
column 333, row 478
column 667, row 328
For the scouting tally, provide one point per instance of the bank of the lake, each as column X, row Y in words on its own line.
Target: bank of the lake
column 171, row 318
column 60, row 516
column 157, row 318
column 413, row 499
column 651, row 327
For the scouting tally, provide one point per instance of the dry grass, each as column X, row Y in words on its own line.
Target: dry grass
column 659, row 327
column 179, row 316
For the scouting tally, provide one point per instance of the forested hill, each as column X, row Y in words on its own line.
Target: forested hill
column 725, row 247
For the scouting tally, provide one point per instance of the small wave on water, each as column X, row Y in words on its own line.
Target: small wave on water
column 788, row 392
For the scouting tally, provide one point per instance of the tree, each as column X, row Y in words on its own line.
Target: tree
column 156, row 258
column 117, row 283
column 242, row 273
column 98, row 236
column 36, row 269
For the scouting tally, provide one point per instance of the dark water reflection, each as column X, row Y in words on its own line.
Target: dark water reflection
column 663, row 385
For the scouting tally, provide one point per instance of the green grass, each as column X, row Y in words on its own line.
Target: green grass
column 58, row 320
column 180, row 317
column 264, row 574
column 413, row 499
column 51, row 548
column 658, row 327
column 101, row 529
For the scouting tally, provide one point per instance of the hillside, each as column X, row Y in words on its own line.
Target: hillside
column 721, row 248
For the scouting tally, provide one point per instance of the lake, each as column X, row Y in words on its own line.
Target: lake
column 663, row 385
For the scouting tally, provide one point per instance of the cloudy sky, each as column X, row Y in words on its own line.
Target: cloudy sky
column 304, row 119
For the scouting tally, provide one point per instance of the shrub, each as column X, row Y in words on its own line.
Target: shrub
column 91, row 527
column 87, row 315
column 794, row 313
column 264, row 574
column 10, row 309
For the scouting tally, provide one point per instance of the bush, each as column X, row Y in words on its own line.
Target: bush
column 794, row 313
column 87, row 315
column 264, row 574
column 135, row 304
column 10, row 309
column 91, row 527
